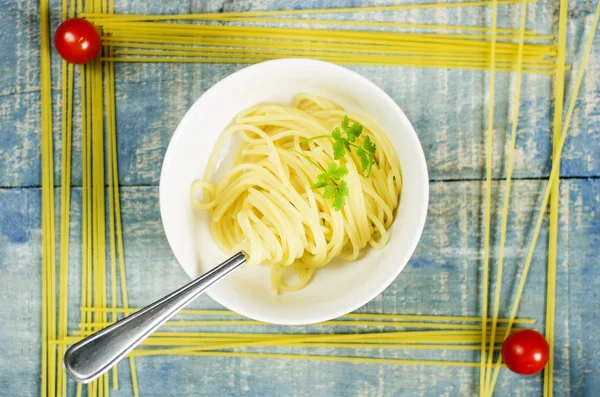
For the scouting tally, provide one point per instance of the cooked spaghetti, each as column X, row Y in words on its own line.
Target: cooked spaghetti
column 268, row 205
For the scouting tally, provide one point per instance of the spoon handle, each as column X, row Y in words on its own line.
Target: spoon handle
column 96, row 354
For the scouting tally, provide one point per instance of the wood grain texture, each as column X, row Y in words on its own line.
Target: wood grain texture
column 447, row 261
column 447, row 109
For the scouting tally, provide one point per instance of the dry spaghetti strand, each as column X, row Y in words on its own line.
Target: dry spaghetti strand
column 96, row 283
column 488, row 195
column 505, row 207
column 140, row 41
column 553, row 176
column 559, row 89
column 48, row 370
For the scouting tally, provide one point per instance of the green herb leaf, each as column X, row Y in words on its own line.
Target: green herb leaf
column 368, row 145
column 330, row 191
column 319, row 185
column 354, row 131
column 345, row 122
column 338, row 150
column 365, row 160
column 336, row 134
column 338, row 202
column 331, row 179
column 343, row 188
column 347, row 145
column 339, row 173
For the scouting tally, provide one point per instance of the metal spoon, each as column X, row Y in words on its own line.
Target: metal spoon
column 99, row 352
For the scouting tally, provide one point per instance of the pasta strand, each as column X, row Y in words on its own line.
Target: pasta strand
column 506, row 200
column 488, row 195
column 553, row 175
column 559, row 89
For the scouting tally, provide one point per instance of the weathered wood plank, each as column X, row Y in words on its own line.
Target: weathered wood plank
column 448, row 111
column 446, row 107
column 447, row 262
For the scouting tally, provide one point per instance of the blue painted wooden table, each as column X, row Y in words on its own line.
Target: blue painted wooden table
column 447, row 109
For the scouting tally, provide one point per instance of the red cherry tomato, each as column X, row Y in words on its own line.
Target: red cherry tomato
column 77, row 41
column 525, row 352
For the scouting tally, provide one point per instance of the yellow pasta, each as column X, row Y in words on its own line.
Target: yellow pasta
column 505, row 206
column 402, row 45
column 376, row 24
column 190, row 343
column 267, row 206
column 377, row 55
column 345, row 323
column 554, row 174
column 559, row 88
column 48, row 266
column 141, row 41
column 213, row 16
column 132, row 38
column 307, row 357
column 67, row 108
column 379, row 316
column 488, row 195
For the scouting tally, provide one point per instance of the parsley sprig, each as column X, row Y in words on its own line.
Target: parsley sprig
column 335, row 187
column 345, row 137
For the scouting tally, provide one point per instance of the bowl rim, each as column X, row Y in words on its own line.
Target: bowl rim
column 422, row 168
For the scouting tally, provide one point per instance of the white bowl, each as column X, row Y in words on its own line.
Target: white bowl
column 339, row 287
